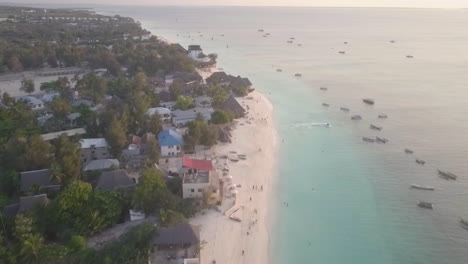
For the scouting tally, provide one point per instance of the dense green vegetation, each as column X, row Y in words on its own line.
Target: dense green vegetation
column 56, row 231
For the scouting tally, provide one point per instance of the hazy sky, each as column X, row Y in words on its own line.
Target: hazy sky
column 389, row 3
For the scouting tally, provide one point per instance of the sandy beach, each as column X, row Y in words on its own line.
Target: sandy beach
column 225, row 240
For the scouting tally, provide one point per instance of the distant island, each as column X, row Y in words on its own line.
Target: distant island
column 107, row 138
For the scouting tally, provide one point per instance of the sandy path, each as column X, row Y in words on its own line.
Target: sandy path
column 226, row 239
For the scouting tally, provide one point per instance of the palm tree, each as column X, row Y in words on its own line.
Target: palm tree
column 31, row 248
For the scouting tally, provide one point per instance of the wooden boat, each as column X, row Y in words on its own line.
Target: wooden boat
column 420, row 162
column 447, row 175
column 368, row 101
column 323, row 88
column 261, row 30
column 382, row 116
column 408, row 151
column 368, row 139
column 325, row 104
column 344, row 109
column 298, row 75
column 422, row 187
column 374, row 127
column 425, row 205
column 279, row 70
column 409, row 56
column 356, row 117
column 346, row 42
column 342, row 52
column 381, row 140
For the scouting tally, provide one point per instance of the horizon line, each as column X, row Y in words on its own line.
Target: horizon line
column 202, row 6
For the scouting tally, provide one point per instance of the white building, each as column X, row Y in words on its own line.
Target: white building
column 197, row 178
column 94, row 149
column 170, row 143
column 32, row 102
column 164, row 113
column 181, row 118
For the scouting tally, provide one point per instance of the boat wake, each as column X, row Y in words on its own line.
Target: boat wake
column 310, row 125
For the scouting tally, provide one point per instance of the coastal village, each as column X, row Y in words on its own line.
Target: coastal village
column 111, row 154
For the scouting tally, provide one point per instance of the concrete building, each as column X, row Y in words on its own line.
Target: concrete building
column 196, row 177
column 94, row 149
column 170, row 143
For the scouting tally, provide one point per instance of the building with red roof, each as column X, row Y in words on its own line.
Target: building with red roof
column 198, row 177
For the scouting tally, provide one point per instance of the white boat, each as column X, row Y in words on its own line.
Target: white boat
column 422, row 187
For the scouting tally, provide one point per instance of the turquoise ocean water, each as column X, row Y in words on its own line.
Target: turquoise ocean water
column 349, row 201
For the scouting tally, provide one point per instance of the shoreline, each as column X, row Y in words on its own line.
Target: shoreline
column 222, row 239
column 225, row 238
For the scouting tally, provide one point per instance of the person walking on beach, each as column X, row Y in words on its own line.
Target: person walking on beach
column 242, row 252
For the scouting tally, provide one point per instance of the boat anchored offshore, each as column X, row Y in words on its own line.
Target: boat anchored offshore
column 368, row 101
column 356, row 117
column 325, row 104
column 298, row 75
column 382, row 116
column 408, row 151
column 425, row 205
column 344, row 109
column 323, row 88
column 420, row 162
column 464, row 223
column 381, row 140
column 279, row 70
column 368, row 139
column 422, row 187
column 447, row 175
column 374, row 127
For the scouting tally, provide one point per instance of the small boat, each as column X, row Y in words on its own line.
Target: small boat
column 356, row 117
column 381, row 140
column 342, row 52
column 408, row 151
column 323, row 88
column 368, row 101
column 374, row 127
column 464, row 223
column 409, row 56
column 325, row 104
column 267, row 34
column 420, row 162
column 382, row 116
column 298, row 75
column 261, row 30
column 279, row 70
column 346, row 42
column 292, row 38
column 368, row 139
column 425, row 205
column 392, row 41
column 422, row 187
column 289, row 41
column 299, row 45
column 344, row 109
column 447, row 175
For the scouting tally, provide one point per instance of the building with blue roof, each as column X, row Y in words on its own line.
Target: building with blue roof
column 170, row 143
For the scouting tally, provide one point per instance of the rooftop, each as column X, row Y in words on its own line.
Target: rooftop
column 37, row 177
column 112, row 180
column 102, row 164
column 170, row 137
column 71, row 132
column 204, row 165
column 28, row 203
column 181, row 234
column 93, row 142
column 159, row 111
column 31, row 100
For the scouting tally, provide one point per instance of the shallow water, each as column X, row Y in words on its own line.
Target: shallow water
column 349, row 201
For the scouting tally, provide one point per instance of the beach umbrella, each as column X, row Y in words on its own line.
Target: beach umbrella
column 229, row 177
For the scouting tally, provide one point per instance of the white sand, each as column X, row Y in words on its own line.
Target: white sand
column 224, row 239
